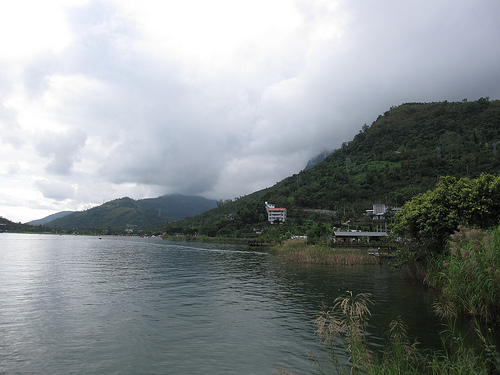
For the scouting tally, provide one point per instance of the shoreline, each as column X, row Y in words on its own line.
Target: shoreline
column 296, row 250
column 299, row 251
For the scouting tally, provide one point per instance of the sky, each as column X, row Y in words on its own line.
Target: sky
column 101, row 99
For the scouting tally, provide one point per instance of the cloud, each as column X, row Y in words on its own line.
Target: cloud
column 55, row 189
column 28, row 27
column 143, row 98
column 63, row 148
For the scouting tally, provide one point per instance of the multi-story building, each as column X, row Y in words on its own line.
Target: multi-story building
column 274, row 213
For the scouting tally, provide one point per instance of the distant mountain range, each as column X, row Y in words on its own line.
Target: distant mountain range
column 49, row 218
column 126, row 212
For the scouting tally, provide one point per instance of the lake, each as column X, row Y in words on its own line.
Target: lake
column 125, row 305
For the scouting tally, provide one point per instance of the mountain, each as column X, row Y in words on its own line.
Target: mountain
column 125, row 213
column 9, row 226
column 49, row 218
column 317, row 159
column 403, row 153
column 177, row 206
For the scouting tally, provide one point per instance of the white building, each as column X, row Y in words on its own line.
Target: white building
column 274, row 213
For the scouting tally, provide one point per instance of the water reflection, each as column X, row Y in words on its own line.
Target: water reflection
column 130, row 305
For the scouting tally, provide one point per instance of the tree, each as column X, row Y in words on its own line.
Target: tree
column 428, row 219
column 318, row 233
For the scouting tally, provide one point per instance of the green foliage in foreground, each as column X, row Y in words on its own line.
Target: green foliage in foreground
column 428, row 219
column 465, row 266
column 343, row 328
column 470, row 275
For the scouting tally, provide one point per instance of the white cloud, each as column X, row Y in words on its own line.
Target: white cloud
column 105, row 98
column 55, row 189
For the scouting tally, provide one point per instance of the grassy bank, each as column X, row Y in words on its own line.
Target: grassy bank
column 297, row 250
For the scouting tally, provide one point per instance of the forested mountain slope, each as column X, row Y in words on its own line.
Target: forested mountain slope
column 404, row 152
column 178, row 206
column 49, row 218
column 401, row 154
column 9, row 226
column 144, row 213
column 116, row 214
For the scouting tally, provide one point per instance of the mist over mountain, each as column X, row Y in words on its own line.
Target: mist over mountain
column 404, row 152
column 317, row 159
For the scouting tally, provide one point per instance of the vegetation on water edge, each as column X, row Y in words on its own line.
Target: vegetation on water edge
column 297, row 250
column 450, row 236
column 343, row 330
column 469, row 275
column 428, row 220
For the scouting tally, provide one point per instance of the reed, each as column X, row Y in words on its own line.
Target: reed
column 297, row 250
column 343, row 330
column 458, row 356
column 470, row 276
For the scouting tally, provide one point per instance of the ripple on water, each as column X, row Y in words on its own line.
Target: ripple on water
column 127, row 305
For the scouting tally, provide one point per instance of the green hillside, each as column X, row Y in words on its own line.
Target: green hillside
column 117, row 214
column 403, row 153
column 49, row 218
column 177, row 206
column 124, row 213
column 7, row 226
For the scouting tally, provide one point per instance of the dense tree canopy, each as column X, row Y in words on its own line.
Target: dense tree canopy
column 430, row 218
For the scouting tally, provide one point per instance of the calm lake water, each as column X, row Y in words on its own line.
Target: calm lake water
column 84, row 305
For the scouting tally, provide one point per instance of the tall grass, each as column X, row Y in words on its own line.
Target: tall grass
column 343, row 330
column 470, row 275
column 297, row 250
column 457, row 357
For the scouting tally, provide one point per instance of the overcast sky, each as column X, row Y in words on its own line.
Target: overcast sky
column 140, row 98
